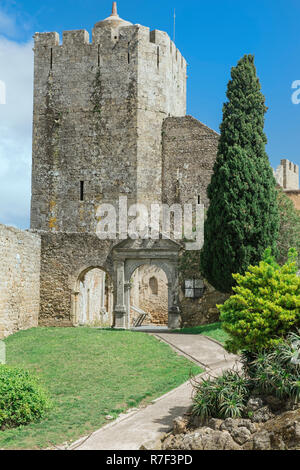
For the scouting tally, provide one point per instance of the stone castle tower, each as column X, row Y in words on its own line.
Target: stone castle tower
column 110, row 120
column 98, row 112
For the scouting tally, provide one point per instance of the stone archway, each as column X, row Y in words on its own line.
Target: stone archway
column 131, row 254
column 93, row 303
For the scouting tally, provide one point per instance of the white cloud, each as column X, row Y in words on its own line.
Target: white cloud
column 16, row 70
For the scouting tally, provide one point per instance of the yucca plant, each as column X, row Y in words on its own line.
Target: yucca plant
column 276, row 371
column 221, row 397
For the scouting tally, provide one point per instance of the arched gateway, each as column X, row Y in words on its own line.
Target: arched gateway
column 129, row 255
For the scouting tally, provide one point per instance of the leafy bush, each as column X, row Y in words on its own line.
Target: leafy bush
column 22, row 399
column 223, row 397
column 265, row 307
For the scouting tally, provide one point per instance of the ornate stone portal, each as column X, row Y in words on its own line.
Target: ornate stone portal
column 131, row 254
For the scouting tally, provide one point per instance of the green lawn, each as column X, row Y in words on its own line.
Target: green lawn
column 214, row 330
column 90, row 373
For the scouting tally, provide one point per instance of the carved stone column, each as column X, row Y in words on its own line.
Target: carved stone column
column 103, row 308
column 174, row 313
column 127, row 287
column 174, row 318
column 74, row 308
column 120, row 308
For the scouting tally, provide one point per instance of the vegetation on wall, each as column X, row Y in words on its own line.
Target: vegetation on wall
column 289, row 228
column 242, row 219
column 265, row 307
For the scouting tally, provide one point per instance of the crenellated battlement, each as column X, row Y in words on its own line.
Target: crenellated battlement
column 287, row 175
column 46, row 39
column 107, row 34
column 75, row 38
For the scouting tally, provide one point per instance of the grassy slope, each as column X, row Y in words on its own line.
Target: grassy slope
column 214, row 330
column 90, row 373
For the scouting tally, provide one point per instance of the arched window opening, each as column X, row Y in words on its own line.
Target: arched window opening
column 153, row 284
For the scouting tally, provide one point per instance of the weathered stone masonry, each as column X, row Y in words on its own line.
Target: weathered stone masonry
column 20, row 254
column 189, row 150
column 65, row 256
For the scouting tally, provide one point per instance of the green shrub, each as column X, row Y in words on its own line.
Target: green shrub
column 223, row 397
column 22, row 399
column 265, row 307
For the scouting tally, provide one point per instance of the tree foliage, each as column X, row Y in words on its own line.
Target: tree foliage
column 242, row 219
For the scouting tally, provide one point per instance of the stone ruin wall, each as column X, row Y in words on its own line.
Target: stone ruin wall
column 295, row 197
column 64, row 259
column 189, row 150
column 20, row 253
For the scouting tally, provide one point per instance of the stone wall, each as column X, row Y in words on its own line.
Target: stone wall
column 295, row 197
column 64, row 260
column 189, row 153
column 201, row 308
column 201, row 311
column 287, row 175
column 19, row 280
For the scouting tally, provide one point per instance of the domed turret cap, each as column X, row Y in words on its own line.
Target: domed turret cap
column 113, row 20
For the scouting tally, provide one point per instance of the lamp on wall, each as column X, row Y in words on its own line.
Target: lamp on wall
column 194, row 288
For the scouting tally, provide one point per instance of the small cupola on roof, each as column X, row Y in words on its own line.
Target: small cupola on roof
column 114, row 21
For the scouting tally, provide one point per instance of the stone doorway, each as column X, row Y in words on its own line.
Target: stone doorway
column 148, row 297
column 130, row 255
column 94, row 305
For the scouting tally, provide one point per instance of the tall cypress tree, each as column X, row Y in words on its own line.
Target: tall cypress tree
column 242, row 219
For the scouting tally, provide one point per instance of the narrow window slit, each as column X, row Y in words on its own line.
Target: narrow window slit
column 199, row 199
column 98, row 55
column 51, row 58
column 128, row 55
column 81, row 190
column 158, row 57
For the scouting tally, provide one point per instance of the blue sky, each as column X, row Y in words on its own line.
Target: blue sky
column 212, row 36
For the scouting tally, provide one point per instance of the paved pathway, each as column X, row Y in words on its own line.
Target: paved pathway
column 135, row 428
